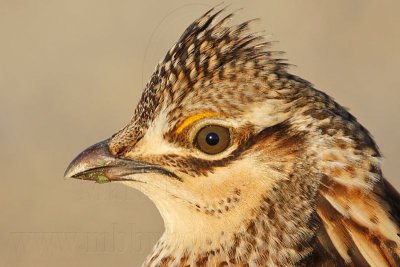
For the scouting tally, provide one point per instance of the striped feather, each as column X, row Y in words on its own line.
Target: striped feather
column 362, row 226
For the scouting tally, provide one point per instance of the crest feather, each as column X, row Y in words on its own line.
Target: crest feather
column 208, row 52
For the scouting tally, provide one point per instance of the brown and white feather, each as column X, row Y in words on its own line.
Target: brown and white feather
column 314, row 194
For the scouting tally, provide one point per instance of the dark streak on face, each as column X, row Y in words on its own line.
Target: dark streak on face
column 280, row 135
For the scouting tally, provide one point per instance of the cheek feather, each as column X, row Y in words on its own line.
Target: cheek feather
column 279, row 142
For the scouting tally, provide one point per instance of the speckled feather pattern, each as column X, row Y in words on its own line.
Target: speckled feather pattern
column 300, row 186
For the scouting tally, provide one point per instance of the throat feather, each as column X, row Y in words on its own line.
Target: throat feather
column 271, row 235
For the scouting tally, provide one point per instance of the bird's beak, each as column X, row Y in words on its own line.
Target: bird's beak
column 96, row 163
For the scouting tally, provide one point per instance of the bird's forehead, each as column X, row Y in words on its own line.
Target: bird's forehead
column 212, row 68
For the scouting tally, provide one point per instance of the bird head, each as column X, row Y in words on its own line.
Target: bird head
column 225, row 140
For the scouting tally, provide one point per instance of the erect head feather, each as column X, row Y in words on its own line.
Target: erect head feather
column 210, row 64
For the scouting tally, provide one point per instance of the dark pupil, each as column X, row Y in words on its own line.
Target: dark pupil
column 212, row 139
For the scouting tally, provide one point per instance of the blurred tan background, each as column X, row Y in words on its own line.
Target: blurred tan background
column 71, row 73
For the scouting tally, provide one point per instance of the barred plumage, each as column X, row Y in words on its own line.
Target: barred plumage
column 300, row 183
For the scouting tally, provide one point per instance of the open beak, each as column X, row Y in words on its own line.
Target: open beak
column 96, row 163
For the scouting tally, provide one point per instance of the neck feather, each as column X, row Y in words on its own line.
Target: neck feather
column 273, row 233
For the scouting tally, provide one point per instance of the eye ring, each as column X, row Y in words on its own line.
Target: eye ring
column 213, row 139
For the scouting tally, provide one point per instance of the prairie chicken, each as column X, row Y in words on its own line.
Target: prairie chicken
column 248, row 164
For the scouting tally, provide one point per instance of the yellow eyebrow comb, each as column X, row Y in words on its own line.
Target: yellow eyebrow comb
column 191, row 119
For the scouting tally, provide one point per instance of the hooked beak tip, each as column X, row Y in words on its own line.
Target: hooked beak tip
column 94, row 157
column 96, row 163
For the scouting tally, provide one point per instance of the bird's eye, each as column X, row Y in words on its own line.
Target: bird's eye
column 213, row 139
